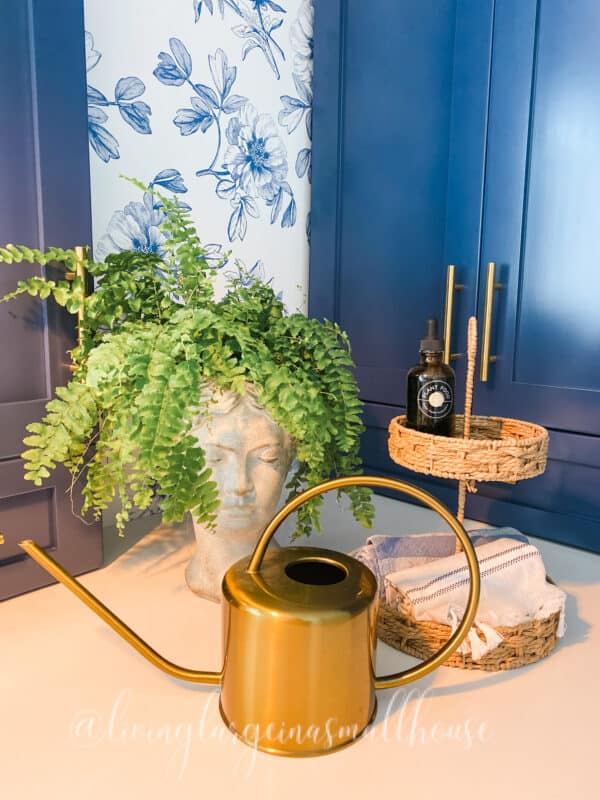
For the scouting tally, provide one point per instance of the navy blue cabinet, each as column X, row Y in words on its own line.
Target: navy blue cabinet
column 466, row 132
column 44, row 200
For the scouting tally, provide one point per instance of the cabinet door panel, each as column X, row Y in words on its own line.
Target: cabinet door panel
column 396, row 153
column 44, row 200
column 393, row 214
column 542, row 215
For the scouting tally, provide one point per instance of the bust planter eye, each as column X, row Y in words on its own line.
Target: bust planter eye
column 270, row 456
column 213, row 457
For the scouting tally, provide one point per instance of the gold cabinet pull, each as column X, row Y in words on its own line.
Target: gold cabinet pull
column 81, row 254
column 451, row 287
column 486, row 339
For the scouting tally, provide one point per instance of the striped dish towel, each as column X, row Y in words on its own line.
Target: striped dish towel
column 514, row 590
column 385, row 554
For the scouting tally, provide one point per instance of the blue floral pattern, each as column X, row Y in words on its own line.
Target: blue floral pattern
column 136, row 227
column 239, row 130
column 247, row 277
column 135, row 112
column 260, row 18
column 222, row 122
column 299, row 108
column 253, row 167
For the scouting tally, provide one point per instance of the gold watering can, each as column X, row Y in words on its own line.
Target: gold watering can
column 299, row 633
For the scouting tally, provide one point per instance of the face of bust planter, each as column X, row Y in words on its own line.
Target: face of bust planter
column 249, row 456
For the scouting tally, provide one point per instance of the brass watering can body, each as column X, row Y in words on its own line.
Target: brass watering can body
column 299, row 636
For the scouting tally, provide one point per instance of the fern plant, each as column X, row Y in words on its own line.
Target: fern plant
column 153, row 334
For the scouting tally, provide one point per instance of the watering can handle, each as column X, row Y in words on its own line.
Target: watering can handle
column 397, row 678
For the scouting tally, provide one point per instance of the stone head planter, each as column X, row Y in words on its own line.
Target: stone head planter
column 250, row 456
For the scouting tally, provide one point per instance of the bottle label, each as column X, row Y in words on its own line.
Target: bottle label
column 435, row 399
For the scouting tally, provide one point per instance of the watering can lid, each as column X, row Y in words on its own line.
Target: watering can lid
column 303, row 582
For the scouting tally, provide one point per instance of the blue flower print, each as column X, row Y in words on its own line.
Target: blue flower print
column 301, row 38
column 260, row 19
column 246, row 277
column 298, row 108
column 255, row 166
column 174, row 70
column 134, row 112
column 92, row 57
column 170, row 179
column 295, row 109
column 102, row 141
column 256, row 158
column 136, row 227
column 250, row 160
column 304, row 163
column 208, row 105
column 214, row 254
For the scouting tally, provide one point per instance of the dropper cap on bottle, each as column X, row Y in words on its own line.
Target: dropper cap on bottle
column 432, row 343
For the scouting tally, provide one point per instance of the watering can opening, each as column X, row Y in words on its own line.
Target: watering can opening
column 299, row 636
column 316, row 571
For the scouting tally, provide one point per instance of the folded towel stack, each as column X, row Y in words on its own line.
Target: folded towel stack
column 421, row 576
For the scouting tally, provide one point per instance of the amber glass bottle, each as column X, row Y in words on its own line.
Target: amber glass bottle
column 430, row 388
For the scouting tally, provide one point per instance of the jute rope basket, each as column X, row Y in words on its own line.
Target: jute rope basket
column 523, row 644
column 498, row 449
column 481, row 449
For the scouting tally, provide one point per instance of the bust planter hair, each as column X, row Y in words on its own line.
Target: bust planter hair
column 137, row 418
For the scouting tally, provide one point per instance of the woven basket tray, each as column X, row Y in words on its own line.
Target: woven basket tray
column 481, row 449
column 523, row 644
column 498, row 449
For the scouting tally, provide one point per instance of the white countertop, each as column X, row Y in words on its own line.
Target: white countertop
column 84, row 716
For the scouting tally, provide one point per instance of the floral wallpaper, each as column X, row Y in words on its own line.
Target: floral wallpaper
column 209, row 100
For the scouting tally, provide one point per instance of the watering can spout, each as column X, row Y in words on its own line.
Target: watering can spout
column 51, row 566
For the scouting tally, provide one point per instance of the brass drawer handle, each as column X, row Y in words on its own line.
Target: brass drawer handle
column 81, row 254
column 486, row 339
column 451, row 287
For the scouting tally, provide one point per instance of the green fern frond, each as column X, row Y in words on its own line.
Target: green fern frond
column 154, row 335
column 63, row 434
column 14, row 254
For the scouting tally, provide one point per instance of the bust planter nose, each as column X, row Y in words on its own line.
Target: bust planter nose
column 243, row 485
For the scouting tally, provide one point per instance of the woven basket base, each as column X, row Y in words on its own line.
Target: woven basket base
column 523, row 644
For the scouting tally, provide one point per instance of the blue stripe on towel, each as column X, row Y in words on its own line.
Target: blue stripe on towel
column 383, row 554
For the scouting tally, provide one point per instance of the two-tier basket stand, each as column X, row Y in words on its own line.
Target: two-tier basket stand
column 481, row 449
